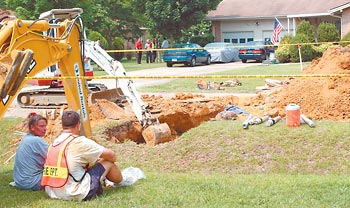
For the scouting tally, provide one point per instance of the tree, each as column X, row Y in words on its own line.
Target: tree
column 172, row 17
column 327, row 32
column 111, row 18
column 305, row 28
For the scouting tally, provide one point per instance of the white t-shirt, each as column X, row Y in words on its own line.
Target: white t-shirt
column 80, row 152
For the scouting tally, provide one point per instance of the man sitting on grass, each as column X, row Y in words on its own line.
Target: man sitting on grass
column 30, row 155
column 75, row 165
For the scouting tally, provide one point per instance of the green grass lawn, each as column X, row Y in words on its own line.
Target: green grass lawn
column 248, row 84
column 130, row 65
column 218, row 164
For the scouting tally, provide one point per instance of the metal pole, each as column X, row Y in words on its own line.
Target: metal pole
column 301, row 62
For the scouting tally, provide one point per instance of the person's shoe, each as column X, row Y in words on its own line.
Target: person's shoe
column 127, row 181
column 108, row 183
column 12, row 184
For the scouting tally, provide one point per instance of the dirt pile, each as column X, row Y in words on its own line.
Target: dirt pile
column 322, row 97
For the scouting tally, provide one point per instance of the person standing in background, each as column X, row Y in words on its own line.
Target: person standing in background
column 138, row 47
column 158, row 47
column 165, row 44
column 154, row 51
column 31, row 154
column 148, row 47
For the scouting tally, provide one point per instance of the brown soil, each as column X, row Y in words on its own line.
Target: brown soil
column 319, row 98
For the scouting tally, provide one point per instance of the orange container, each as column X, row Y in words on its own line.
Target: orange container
column 292, row 115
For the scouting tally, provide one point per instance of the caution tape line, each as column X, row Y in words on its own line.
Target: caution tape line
column 238, row 46
column 192, row 77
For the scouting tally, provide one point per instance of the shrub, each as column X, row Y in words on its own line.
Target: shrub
column 306, row 50
column 202, row 40
column 307, row 30
column 283, row 50
column 288, row 49
column 319, row 49
column 118, row 44
column 327, row 32
column 346, row 38
column 94, row 36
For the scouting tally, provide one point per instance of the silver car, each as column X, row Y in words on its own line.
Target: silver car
column 222, row 52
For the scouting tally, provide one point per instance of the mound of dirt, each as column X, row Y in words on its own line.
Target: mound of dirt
column 321, row 98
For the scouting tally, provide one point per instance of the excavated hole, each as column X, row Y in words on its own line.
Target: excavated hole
column 178, row 123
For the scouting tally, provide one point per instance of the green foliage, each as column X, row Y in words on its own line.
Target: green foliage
column 170, row 18
column 346, row 38
column 319, row 49
column 327, row 32
column 288, row 49
column 3, row 4
column 108, row 17
column 204, row 27
column 283, row 50
column 118, row 44
column 307, row 30
column 306, row 49
column 23, row 13
column 242, row 168
column 202, row 40
column 94, row 36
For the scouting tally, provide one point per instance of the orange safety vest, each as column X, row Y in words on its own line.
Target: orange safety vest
column 55, row 173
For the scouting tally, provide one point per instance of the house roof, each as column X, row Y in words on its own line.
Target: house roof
column 4, row 13
column 339, row 8
column 235, row 9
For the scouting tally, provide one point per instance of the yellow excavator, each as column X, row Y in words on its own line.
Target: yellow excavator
column 26, row 49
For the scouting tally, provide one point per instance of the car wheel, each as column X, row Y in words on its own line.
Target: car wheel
column 169, row 64
column 193, row 61
column 208, row 62
column 244, row 60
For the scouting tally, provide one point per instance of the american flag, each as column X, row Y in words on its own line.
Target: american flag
column 277, row 30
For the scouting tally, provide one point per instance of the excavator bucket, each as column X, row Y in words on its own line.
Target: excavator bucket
column 155, row 134
column 109, row 94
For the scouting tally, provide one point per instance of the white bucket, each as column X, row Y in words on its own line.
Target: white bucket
column 292, row 115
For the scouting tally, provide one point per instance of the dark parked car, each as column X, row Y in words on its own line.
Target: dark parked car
column 256, row 50
column 222, row 52
column 186, row 53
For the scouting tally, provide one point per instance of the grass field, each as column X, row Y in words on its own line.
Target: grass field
column 219, row 164
column 248, row 84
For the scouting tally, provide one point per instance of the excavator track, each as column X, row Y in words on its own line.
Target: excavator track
column 50, row 98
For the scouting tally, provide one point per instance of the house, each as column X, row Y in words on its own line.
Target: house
column 241, row 21
column 4, row 13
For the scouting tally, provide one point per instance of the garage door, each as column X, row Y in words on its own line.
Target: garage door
column 238, row 37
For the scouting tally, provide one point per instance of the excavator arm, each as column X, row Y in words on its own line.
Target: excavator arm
column 25, row 51
column 114, row 68
column 153, row 131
